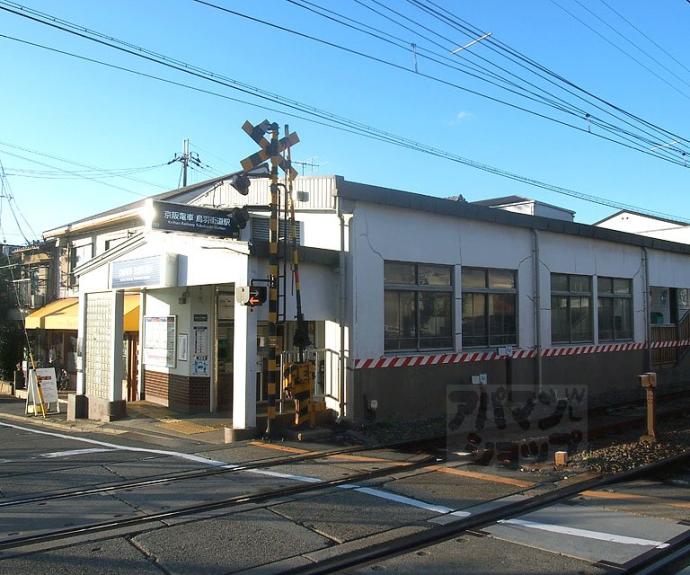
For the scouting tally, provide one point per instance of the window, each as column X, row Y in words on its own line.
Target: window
column 81, row 254
column 417, row 306
column 489, row 299
column 571, row 308
column 615, row 309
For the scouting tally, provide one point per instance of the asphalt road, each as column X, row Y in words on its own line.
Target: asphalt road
column 288, row 531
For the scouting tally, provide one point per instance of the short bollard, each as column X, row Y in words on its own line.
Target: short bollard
column 648, row 382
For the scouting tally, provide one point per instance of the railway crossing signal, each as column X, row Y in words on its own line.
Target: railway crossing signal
column 271, row 150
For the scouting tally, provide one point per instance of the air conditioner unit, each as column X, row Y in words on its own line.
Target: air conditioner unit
column 37, row 300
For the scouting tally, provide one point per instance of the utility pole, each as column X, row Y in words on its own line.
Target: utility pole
column 186, row 159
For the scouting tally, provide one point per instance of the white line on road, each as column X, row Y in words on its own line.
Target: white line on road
column 611, row 537
column 187, row 456
column 57, row 454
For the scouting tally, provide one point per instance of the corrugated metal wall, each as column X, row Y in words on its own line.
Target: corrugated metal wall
column 319, row 189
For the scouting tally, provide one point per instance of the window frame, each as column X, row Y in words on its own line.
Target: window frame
column 418, row 289
column 570, row 294
column 612, row 296
column 487, row 291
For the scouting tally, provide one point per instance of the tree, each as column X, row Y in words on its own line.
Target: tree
column 11, row 337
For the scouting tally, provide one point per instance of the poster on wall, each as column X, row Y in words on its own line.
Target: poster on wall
column 182, row 347
column 200, row 346
column 159, row 340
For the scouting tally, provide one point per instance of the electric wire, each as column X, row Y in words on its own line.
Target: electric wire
column 336, row 122
column 629, row 41
column 552, row 100
column 442, row 81
column 443, row 15
column 78, row 173
column 621, row 50
column 645, row 35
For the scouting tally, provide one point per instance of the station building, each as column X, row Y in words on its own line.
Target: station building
column 404, row 294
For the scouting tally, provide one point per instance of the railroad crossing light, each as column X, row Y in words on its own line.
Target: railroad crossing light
column 240, row 217
column 251, row 295
column 242, row 181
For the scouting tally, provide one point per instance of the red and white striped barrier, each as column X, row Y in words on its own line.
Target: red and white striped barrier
column 468, row 357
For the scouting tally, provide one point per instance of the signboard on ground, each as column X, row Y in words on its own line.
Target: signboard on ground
column 159, row 340
column 42, row 393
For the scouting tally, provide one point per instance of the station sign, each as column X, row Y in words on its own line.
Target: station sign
column 173, row 217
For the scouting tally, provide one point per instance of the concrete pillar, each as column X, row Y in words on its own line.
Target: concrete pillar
column 81, row 344
column 244, row 368
column 116, row 374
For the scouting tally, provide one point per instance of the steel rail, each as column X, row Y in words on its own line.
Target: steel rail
column 412, row 542
column 60, row 534
column 228, row 468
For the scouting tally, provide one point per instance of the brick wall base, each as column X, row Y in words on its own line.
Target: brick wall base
column 178, row 392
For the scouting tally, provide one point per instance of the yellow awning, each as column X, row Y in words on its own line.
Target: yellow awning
column 37, row 318
column 131, row 312
column 64, row 314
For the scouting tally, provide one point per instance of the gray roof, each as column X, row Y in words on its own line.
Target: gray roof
column 491, row 202
column 444, row 207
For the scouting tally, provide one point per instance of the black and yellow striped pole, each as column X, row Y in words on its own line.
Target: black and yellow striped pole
column 272, row 376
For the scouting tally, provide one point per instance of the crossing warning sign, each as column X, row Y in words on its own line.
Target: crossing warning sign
column 269, row 150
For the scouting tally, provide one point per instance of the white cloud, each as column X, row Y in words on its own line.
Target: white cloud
column 461, row 116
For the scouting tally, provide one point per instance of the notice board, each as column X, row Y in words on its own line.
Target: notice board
column 160, row 340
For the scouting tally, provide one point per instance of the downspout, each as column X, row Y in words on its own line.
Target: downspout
column 341, row 311
column 645, row 309
column 537, row 307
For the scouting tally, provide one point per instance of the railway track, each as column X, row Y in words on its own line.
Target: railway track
column 675, row 551
column 143, row 522
column 221, row 469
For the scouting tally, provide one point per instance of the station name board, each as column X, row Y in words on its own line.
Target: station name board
column 195, row 219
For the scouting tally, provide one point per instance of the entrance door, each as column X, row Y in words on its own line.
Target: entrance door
column 225, row 336
column 131, row 353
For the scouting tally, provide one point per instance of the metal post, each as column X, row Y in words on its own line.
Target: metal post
column 272, row 369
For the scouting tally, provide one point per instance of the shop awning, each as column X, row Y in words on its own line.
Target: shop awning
column 58, row 314
column 64, row 314
column 131, row 312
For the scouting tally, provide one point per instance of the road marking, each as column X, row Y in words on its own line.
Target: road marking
column 484, row 476
column 616, row 496
column 187, row 456
column 404, row 500
column 586, row 533
column 75, row 452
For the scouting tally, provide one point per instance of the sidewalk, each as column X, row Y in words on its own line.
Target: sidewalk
column 143, row 418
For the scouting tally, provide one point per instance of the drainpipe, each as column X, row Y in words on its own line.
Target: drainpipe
column 341, row 311
column 645, row 309
column 537, row 306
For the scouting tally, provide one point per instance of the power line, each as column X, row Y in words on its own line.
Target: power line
column 337, row 122
column 645, row 35
column 442, row 81
column 621, row 50
column 629, row 41
column 544, row 73
column 78, row 173
column 552, row 100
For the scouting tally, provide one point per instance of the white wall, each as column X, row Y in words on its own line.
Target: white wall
column 388, row 233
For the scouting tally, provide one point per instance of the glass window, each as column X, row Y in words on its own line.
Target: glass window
column 399, row 273
column 571, row 309
column 501, row 279
column 473, row 278
column 434, row 275
column 418, row 311
column 489, row 307
column 614, row 309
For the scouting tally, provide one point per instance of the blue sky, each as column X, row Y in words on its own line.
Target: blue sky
column 110, row 119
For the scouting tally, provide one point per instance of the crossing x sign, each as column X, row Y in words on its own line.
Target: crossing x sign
column 269, row 150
